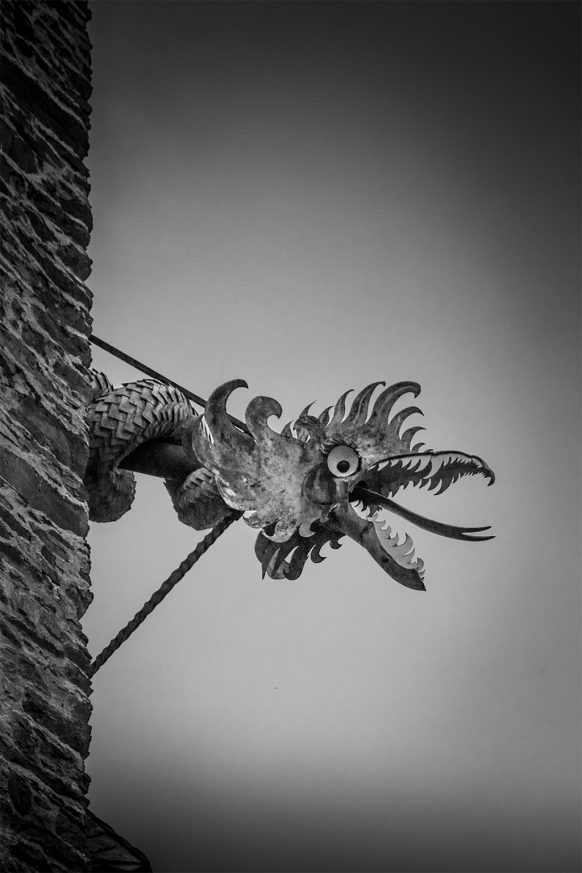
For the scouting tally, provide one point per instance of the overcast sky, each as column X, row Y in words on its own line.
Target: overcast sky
column 313, row 197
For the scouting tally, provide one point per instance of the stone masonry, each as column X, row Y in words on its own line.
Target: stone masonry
column 44, row 355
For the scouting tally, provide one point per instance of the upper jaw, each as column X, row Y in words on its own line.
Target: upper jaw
column 436, row 470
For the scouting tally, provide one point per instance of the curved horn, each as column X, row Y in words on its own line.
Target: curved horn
column 258, row 412
column 224, row 432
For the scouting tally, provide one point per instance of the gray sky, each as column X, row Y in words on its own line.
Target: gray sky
column 314, row 197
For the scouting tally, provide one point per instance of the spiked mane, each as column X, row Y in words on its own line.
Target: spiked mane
column 318, row 479
column 337, row 427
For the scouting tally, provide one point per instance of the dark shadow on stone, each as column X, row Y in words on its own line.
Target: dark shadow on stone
column 110, row 853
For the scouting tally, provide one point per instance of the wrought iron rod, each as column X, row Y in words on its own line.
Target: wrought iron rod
column 162, row 592
column 107, row 347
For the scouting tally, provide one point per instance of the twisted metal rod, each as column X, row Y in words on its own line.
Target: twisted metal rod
column 162, row 592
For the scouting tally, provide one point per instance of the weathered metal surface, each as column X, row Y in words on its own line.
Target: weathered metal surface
column 161, row 459
column 318, row 479
column 196, row 500
column 120, row 421
column 300, row 486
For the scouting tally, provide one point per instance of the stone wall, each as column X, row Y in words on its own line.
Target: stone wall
column 44, row 354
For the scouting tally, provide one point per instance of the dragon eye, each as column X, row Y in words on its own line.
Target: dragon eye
column 343, row 461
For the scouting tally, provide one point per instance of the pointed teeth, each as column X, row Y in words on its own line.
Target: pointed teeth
column 436, row 471
column 409, row 558
column 402, row 552
column 412, row 463
column 366, row 513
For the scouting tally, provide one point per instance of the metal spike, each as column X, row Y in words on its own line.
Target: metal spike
column 386, row 400
column 396, row 422
column 359, row 410
column 406, row 437
column 338, row 412
column 323, row 418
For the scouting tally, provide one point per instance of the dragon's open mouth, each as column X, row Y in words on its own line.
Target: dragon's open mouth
column 372, row 495
column 364, row 517
column 321, row 478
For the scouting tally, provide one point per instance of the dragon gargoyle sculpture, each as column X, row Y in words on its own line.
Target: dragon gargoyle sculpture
column 319, row 479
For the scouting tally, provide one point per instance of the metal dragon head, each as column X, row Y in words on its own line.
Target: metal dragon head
column 324, row 477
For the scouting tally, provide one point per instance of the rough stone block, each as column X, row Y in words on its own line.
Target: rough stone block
column 45, row 221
